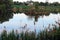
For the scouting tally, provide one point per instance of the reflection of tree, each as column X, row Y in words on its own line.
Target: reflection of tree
column 30, row 17
column 5, row 16
column 36, row 15
column 36, row 18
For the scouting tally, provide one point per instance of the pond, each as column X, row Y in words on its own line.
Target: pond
column 20, row 21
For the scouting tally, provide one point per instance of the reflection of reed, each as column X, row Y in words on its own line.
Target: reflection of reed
column 24, row 28
column 58, row 22
column 4, row 28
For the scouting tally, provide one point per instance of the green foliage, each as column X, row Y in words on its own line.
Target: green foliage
column 38, row 7
column 4, row 35
column 5, row 5
column 12, row 36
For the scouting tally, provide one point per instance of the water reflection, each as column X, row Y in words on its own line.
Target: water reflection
column 35, row 18
column 19, row 21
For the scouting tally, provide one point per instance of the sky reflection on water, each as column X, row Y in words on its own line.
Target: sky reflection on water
column 19, row 20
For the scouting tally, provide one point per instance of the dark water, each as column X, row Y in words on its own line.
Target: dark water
column 18, row 21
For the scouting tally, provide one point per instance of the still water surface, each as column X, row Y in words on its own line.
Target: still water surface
column 32, row 22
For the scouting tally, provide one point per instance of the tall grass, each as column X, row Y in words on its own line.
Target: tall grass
column 52, row 34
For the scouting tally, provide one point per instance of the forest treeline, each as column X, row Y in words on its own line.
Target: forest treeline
column 36, row 6
column 9, row 5
column 37, row 3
